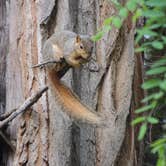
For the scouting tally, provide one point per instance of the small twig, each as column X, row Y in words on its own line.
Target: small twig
column 8, row 142
column 7, row 114
column 44, row 63
column 27, row 103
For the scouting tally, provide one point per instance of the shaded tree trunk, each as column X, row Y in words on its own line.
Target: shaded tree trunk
column 4, row 42
column 44, row 134
column 3, row 51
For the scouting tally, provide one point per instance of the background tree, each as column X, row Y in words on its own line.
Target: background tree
column 151, row 38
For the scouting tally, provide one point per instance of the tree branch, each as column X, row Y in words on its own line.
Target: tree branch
column 27, row 103
column 44, row 63
column 7, row 114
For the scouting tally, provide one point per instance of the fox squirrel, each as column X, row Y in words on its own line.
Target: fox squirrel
column 61, row 51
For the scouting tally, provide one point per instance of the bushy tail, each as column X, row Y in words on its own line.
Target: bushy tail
column 71, row 104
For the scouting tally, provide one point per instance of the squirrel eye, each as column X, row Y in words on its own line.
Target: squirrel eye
column 81, row 47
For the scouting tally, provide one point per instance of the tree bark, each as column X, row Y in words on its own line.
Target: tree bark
column 4, row 42
column 3, row 52
column 45, row 135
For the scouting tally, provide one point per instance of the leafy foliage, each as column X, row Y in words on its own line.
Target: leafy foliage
column 151, row 38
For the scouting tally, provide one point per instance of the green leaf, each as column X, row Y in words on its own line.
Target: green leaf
column 146, row 108
column 116, row 3
column 140, row 49
column 142, row 131
column 161, row 152
column 151, row 84
column 161, row 162
column 144, row 32
column 158, row 45
column 155, row 149
column 137, row 14
column 117, row 22
column 155, row 71
column 159, row 62
column 156, row 3
column 150, row 97
column 155, row 96
column 108, row 21
column 152, row 120
column 153, row 13
column 140, row 2
column 164, row 39
column 106, row 28
column 131, row 5
column 158, row 142
column 123, row 12
column 163, row 85
column 138, row 37
column 158, row 95
column 154, row 104
column 143, row 109
column 98, row 36
column 154, row 26
column 138, row 120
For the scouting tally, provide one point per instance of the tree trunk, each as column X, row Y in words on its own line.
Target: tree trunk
column 4, row 42
column 45, row 135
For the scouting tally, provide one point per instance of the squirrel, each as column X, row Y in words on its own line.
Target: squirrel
column 63, row 50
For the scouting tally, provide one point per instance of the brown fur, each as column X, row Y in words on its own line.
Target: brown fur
column 69, row 101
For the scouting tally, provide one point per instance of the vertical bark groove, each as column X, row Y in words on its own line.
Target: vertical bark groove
column 4, row 41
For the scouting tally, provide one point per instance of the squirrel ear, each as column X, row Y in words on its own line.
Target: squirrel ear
column 78, row 39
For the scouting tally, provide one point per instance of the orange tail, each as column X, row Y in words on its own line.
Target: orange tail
column 70, row 102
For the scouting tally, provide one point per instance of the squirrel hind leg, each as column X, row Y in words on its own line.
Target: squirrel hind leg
column 100, row 123
column 92, row 118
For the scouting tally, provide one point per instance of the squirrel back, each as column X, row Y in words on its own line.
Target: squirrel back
column 75, row 49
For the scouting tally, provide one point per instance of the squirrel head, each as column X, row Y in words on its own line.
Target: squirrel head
column 82, row 48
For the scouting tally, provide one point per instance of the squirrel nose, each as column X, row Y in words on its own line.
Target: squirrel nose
column 62, row 59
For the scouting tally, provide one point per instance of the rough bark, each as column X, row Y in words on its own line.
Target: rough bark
column 132, row 151
column 31, row 131
column 46, row 135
